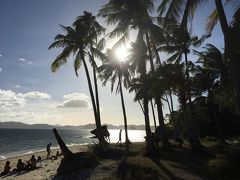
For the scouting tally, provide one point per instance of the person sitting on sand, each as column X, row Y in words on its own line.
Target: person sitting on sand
column 120, row 137
column 56, row 156
column 48, row 150
column 32, row 163
column 20, row 165
column 39, row 158
column 6, row 169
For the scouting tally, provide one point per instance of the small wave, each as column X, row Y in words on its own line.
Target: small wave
column 3, row 157
column 29, row 152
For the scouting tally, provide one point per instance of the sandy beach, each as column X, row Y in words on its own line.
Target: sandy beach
column 46, row 168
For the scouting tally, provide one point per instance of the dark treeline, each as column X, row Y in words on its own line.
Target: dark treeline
column 208, row 90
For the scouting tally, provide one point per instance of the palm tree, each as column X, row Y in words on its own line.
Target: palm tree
column 214, row 78
column 77, row 41
column 112, row 69
column 127, row 15
column 179, row 46
column 183, row 11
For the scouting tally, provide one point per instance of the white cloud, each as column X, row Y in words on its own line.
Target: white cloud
column 0, row 69
column 35, row 95
column 9, row 99
column 22, row 59
column 75, row 100
column 0, row 55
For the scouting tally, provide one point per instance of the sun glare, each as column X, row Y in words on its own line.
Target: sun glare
column 122, row 53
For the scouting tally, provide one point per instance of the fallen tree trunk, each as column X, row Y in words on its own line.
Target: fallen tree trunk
column 66, row 152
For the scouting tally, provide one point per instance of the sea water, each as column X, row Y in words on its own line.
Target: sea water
column 14, row 142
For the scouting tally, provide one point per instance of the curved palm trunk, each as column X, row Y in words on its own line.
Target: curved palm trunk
column 96, row 86
column 234, row 59
column 66, row 152
column 97, row 120
column 154, row 117
column 193, row 131
column 96, row 93
column 124, row 110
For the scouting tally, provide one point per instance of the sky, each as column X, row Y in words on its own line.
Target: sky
column 31, row 93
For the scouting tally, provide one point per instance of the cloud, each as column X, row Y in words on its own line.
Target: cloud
column 36, row 95
column 22, row 59
column 75, row 100
column 25, row 61
column 9, row 99
column 0, row 55
column 0, row 69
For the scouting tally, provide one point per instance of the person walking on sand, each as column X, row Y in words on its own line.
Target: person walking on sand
column 120, row 137
column 48, row 150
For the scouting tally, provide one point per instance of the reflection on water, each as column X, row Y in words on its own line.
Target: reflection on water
column 22, row 141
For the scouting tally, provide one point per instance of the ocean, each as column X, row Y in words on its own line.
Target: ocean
column 14, row 142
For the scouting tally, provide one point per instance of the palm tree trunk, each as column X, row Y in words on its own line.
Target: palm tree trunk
column 192, row 124
column 96, row 92
column 154, row 118
column 169, row 107
column 234, row 59
column 94, row 66
column 149, row 143
column 158, row 98
column 165, row 142
column 124, row 111
column 171, row 100
column 66, row 152
column 97, row 120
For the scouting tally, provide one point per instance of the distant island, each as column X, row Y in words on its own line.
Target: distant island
column 19, row 125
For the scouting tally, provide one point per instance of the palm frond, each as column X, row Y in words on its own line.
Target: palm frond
column 211, row 21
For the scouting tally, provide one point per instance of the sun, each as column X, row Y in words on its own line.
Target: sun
column 121, row 53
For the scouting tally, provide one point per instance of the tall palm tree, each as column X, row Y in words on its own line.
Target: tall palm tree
column 128, row 15
column 77, row 41
column 179, row 46
column 112, row 69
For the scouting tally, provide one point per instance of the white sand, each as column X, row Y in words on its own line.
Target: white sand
column 46, row 168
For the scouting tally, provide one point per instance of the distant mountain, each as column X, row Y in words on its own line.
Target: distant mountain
column 19, row 125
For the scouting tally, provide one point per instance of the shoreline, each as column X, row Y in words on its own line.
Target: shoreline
column 41, row 151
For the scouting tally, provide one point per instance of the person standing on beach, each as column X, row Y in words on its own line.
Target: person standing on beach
column 120, row 137
column 48, row 150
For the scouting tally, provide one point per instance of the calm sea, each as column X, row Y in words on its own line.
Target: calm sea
column 15, row 142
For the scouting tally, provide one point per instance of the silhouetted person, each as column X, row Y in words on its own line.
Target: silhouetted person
column 48, row 150
column 56, row 156
column 6, row 169
column 32, row 163
column 20, row 165
column 120, row 136
column 39, row 158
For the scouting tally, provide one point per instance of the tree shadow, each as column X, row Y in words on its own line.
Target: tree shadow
column 164, row 169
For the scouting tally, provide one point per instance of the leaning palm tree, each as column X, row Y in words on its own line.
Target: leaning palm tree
column 112, row 69
column 76, row 41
